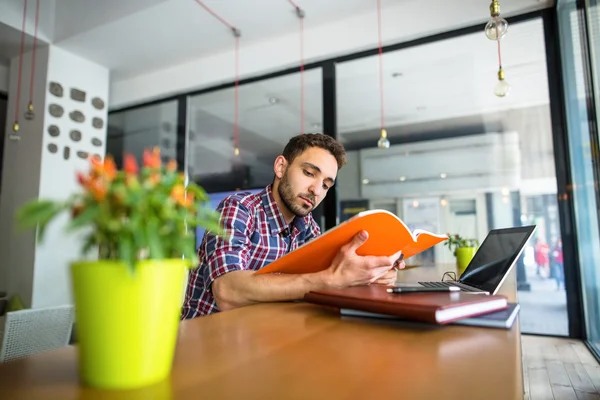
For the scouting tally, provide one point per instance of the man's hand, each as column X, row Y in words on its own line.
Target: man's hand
column 389, row 278
column 350, row 269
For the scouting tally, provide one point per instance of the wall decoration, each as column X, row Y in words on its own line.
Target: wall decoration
column 53, row 130
column 96, row 142
column 55, row 110
column 82, row 154
column 98, row 103
column 66, row 153
column 97, row 123
column 77, row 95
column 77, row 116
column 52, row 148
column 56, row 89
column 75, row 135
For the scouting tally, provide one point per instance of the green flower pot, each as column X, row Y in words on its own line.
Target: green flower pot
column 464, row 255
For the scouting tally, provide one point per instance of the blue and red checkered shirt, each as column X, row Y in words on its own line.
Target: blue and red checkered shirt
column 257, row 236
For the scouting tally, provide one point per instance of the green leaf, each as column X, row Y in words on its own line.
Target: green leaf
column 126, row 251
column 155, row 245
column 89, row 244
column 39, row 211
column 88, row 215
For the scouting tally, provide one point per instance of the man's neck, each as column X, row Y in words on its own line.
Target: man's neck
column 288, row 216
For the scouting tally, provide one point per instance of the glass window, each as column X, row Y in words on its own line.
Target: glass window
column 132, row 131
column 461, row 159
column 582, row 167
column 269, row 115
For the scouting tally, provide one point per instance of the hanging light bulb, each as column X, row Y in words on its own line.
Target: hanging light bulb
column 497, row 26
column 383, row 142
column 236, row 151
column 502, row 87
column 29, row 114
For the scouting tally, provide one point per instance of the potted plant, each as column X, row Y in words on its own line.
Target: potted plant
column 128, row 301
column 464, row 250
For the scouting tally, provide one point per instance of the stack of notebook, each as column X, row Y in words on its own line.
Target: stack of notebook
column 434, row 307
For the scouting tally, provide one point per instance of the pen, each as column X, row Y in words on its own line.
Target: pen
column 423, row 289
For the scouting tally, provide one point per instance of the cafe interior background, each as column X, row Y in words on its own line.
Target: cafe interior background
column 462, row 152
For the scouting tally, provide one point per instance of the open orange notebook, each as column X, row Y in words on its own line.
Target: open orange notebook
column 387, row 235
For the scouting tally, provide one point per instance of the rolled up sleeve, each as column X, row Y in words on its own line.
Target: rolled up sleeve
column 230, row 252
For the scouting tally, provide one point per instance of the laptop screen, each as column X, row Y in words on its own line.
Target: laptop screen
column 495, row 256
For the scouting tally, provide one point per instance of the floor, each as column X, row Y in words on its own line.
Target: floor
column 544, row 308
column 557, row 368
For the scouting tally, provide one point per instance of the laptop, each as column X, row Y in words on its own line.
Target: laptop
column 492, row 262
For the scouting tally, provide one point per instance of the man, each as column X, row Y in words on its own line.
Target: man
column 263, row 227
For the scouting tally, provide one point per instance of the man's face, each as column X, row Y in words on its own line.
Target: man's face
column 307, row 179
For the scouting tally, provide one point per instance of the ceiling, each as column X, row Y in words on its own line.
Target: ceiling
column 181, row 29
column 138, row 36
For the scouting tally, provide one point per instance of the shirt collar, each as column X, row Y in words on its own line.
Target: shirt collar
column 277, row 222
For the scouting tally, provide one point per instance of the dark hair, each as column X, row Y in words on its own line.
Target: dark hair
column 298, row 144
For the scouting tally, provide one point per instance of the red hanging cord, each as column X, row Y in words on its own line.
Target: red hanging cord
column 214, row 14
column 236, row 132
column 236, row 33
column 31, row 79
column 380, row 64
column 300, row 13
column 499, row 55
column 16, row 125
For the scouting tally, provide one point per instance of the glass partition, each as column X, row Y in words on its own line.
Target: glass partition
column 132, row 131
column 269, row 115
column 461, row 159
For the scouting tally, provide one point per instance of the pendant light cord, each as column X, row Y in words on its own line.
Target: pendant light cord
column 237, row 34
column 31, row 80
column 21, row 62
column 300, row 14
column 380, row 64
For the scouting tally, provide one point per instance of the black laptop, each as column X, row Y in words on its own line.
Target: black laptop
column 493, row 261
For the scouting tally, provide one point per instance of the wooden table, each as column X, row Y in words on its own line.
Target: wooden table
column 301, row 351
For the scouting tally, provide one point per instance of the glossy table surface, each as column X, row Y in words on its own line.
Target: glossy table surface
column 302, row 351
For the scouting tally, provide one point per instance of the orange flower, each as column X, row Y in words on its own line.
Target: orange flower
column 98, row 189
column 82, row 179
column 154, row 178
column 172, row 166
column 110, row 168
column 130, row 164
column 152, row 158
column 180, row 196
column 96, row 166
column 106, row 169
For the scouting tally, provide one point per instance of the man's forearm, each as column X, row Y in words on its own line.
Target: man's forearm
column 242, row 288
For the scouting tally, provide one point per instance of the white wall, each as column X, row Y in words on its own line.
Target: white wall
column 4, row 78
column 401, row 21
column 57, row 178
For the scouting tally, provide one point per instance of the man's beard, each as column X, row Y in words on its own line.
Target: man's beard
column 289, row 198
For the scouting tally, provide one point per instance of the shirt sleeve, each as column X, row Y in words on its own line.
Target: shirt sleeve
column 229, row 252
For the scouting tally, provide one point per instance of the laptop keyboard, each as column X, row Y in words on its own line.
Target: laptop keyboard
column 451, row 283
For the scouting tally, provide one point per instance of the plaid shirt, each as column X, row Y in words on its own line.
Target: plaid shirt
column 258, row 235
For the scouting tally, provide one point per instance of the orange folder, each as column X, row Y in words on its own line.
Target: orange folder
column 387, row 235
